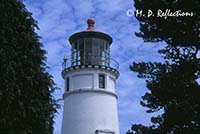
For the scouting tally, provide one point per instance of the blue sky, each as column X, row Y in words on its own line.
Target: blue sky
column 58, row 19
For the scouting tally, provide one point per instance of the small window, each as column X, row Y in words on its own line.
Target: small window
column 101, row 81
column 67, row 84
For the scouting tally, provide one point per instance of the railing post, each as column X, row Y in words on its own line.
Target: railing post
column 65, row 62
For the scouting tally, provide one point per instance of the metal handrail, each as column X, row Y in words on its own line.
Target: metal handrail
column 108, row 62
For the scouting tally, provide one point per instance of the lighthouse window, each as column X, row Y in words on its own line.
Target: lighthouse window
column 101, row 81
column 67, row 84
column 88, row 51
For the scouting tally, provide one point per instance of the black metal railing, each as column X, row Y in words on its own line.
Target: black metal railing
column 90, row 60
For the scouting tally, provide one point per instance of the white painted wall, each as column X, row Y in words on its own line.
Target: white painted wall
column 82, row 81
column 85, row 112
column 88, row 79
column 111, row 84
column 87, row 107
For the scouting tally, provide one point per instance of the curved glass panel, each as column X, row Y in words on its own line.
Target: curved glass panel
column 90, row 51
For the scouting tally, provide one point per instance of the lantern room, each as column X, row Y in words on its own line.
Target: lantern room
column 90, row 47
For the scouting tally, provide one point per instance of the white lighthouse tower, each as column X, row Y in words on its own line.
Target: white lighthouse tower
column 90, row 101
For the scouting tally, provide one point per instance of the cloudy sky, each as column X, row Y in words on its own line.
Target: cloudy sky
column 58, row 19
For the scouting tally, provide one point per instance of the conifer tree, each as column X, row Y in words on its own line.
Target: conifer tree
column 173, row 85
column 26, row 102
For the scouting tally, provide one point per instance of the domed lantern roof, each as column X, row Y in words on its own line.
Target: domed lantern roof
column 91, row 32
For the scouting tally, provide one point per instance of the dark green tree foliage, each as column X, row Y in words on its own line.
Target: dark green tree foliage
column 173, row 84
column 140, row 129
column 176, row 31
column 26, row 102
column 174, row 89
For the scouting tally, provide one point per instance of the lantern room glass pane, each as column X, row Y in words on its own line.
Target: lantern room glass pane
column 88, row 54
column 90, row 51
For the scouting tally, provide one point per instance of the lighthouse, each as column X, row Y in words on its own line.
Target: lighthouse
column 90, row 100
